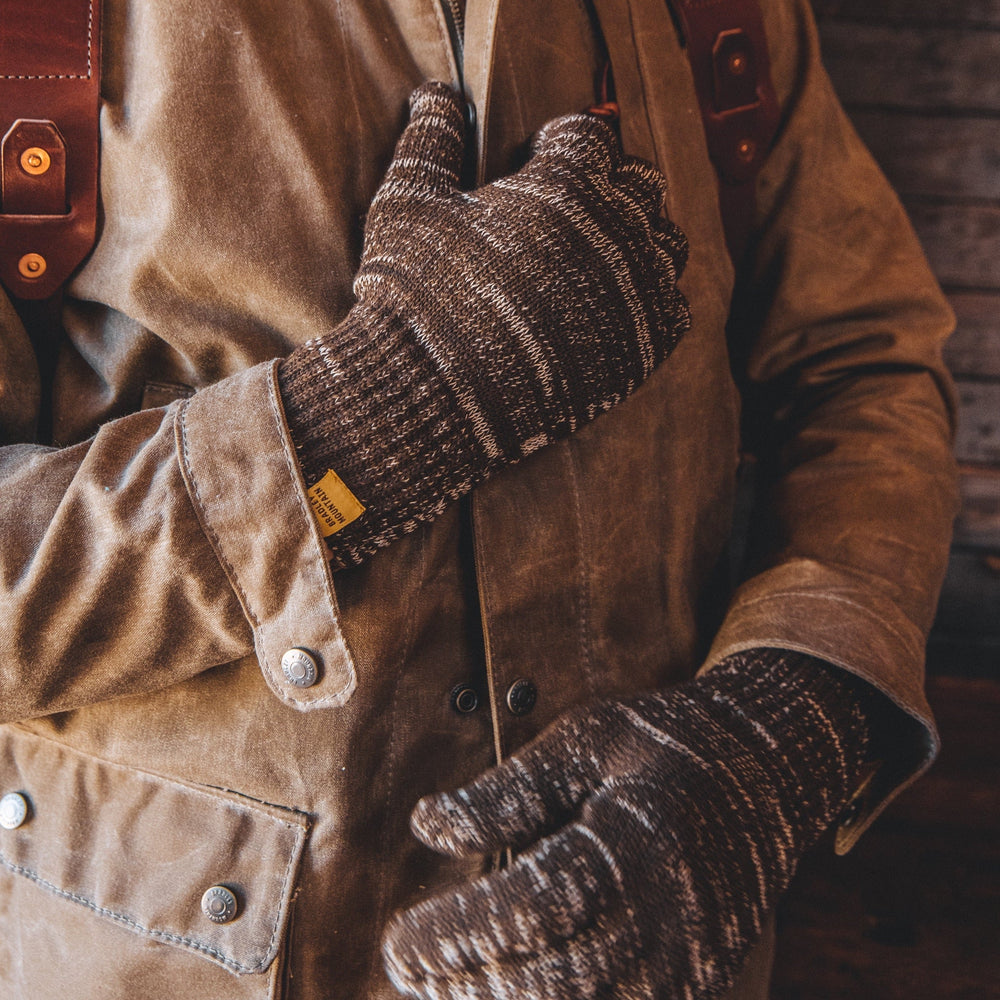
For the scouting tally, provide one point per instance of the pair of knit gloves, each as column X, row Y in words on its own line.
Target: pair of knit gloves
column 653, row 834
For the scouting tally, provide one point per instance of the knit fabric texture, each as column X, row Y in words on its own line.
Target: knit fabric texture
column 655, row 835
column 488, row 323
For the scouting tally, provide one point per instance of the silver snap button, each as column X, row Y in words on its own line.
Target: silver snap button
column 13, row 810
column 219, row 904
column 299, row 668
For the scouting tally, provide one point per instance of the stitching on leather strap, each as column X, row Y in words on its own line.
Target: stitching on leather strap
column 66, row 76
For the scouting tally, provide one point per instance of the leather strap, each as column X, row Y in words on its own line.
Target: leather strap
column 50, row 57
column 727, row 49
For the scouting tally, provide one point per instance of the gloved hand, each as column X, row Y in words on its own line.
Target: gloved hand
column 656, row 833
column 488, row 323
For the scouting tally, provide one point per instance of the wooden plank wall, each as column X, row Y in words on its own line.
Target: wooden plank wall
column 921, row 81
column 912, row 912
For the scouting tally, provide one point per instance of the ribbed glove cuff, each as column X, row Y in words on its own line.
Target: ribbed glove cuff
column 367, row 403
column 816, row 718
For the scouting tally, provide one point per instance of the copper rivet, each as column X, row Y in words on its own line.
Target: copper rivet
column 32, row 265
column 746, row 149
column 35, row 161
column 737, row 64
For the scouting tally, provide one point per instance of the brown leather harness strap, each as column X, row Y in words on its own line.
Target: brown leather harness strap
column 727, row 49
column 49, row 102
column 50, row 57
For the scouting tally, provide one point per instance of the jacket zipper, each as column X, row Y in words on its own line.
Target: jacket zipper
column 452, row 10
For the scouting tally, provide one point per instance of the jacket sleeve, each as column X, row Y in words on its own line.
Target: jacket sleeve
column 175, row 539
column 849, row 409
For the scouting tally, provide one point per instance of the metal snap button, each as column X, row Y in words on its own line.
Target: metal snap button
column 13, row 810
column 300, row 668
column 852, row 812
column 737, row 63
column 35, row 161
column 746, row 150
column 32, row 265
column 521, row 697
column 219, row 904
column 464, row 699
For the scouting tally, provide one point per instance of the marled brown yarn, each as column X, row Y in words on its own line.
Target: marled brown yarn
column 488, row 323
column 656, row 833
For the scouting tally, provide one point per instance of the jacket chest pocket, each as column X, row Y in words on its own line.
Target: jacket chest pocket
column 116, row 882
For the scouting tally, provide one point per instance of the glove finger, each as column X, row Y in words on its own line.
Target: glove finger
column 675, row 320
column 672, row 240
column 598, row 963
column 545, row 899
column 644, row 185
column 513, row 804
column 577, row 139
column 431, row 148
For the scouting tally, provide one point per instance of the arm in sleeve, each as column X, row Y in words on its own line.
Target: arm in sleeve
column 850, row 410
column 174, row 540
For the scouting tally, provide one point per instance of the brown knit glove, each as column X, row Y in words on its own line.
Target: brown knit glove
column 488, row 323
column 656, row 833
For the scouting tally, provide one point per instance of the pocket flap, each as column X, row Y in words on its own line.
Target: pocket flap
column 141, row 849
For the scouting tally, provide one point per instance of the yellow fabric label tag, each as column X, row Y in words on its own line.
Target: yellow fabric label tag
column 334, row 505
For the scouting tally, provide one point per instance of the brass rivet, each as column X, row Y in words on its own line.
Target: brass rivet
column 35, row 161
column 746, row 149
column 737, row 64
column 32, row 265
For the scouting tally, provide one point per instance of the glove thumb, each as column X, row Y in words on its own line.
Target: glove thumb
column 511, row 805
column 429, row 153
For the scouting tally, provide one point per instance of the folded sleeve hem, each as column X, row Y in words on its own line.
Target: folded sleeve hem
column 826, row 613
column 239, row 466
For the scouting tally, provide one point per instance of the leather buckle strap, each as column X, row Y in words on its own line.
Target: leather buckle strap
column 50, row 57
column 727, row 49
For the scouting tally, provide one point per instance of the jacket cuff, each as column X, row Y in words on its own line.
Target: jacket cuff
column 830, row 613
column 239, row 465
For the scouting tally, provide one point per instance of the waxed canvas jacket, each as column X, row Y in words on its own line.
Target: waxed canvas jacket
column 157, row 563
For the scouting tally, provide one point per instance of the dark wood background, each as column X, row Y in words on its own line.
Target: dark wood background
column 914, row 911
